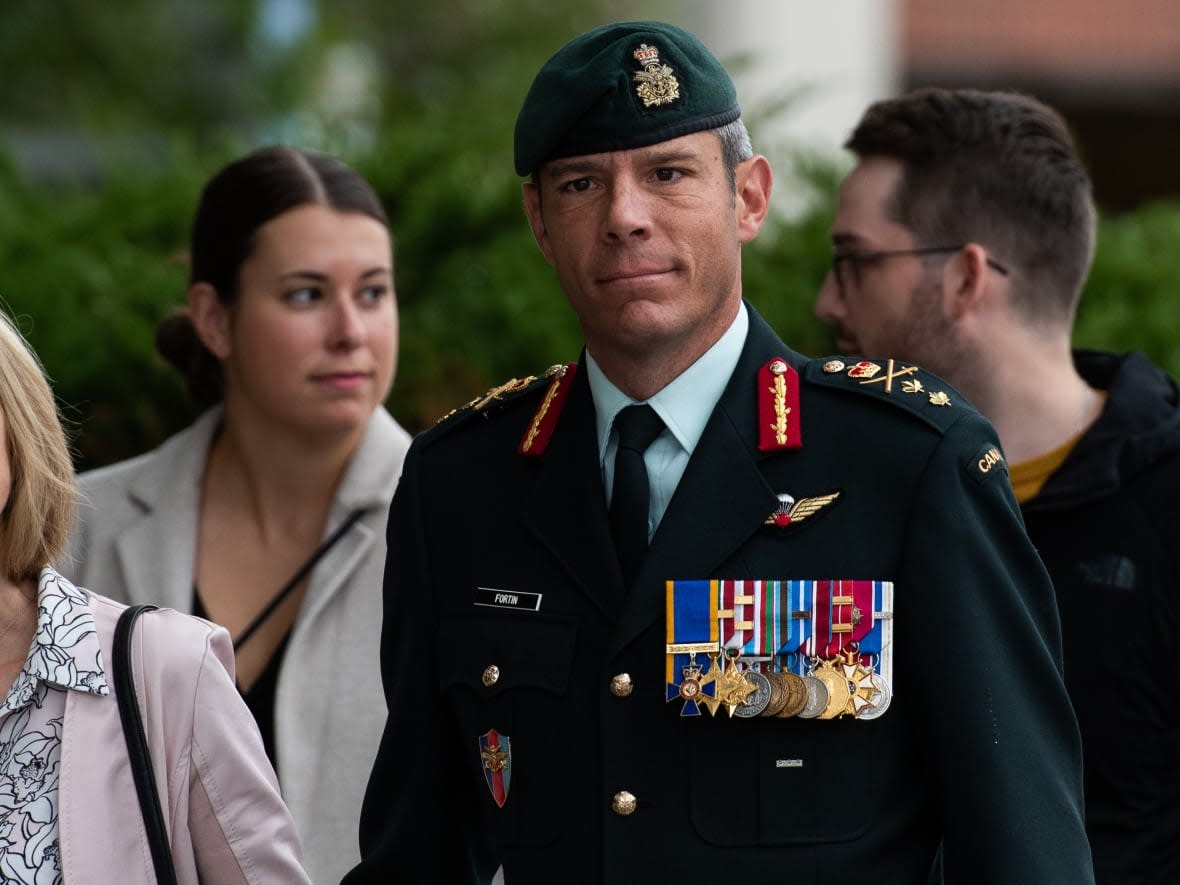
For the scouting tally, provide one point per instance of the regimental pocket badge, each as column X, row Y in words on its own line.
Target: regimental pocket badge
column 819, row 649
column 495, row 753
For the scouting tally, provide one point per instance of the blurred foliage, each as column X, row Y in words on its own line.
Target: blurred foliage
column 421, row 99
column 1130, row 301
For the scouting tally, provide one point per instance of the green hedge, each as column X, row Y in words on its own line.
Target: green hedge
column 89, row 269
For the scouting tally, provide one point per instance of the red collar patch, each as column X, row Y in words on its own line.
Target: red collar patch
column 536, row 438
column 778, row 407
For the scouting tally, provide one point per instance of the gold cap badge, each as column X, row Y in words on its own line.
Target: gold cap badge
column 657, row 83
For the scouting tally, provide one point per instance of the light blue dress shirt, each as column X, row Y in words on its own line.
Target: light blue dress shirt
column 684, row 405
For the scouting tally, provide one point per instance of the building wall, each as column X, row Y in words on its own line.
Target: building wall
column 1112, row 69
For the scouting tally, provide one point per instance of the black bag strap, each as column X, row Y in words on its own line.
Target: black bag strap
column 137, row 746
column 299, row 575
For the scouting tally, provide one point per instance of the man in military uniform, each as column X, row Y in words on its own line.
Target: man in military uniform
column 821, row 646
column 962, row 240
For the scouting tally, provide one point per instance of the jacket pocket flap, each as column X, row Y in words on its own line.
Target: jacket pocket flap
column 492, row 654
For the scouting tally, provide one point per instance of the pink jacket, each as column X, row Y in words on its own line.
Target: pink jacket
column 219, row 795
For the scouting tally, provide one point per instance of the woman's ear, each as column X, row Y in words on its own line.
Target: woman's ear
column 210, row 319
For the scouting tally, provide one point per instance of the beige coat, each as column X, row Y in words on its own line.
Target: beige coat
column 226, row 821
column 136, row 541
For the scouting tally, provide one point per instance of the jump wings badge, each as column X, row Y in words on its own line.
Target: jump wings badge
column 495, row 751
column 657, row 83
column 789, row 510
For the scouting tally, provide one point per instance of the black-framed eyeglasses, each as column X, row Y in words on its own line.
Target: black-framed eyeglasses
column 856, row 259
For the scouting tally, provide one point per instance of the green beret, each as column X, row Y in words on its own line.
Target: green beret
column 621, row 86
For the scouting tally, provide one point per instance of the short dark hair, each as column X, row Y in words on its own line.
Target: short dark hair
column 997, row 168
column 235, row 203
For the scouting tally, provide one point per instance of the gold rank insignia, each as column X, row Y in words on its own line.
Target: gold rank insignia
column 863, row 369
column 536, row 435
column 890, row 376
column 905, row 384
column 495, row 394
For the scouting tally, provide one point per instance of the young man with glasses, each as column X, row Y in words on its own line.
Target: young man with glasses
column 961, row 242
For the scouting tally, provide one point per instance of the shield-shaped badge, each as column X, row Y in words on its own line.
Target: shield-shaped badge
column 495, row 751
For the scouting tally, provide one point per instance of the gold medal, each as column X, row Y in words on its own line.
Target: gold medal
column 732, row 686
column 837, row 686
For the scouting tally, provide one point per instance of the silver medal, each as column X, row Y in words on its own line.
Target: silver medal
column 817, row 698
column 880, row 702
column 757, row 700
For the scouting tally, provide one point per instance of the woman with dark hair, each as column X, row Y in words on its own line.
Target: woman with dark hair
column 267, row 515
column 69, row 811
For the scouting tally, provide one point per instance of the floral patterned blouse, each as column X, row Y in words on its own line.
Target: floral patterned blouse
column 64, row 657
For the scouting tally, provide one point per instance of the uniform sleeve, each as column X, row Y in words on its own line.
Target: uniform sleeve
column 241, row 830
column 983, row 645
column 418, row 818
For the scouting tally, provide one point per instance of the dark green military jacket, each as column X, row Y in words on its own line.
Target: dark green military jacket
column 506, row 625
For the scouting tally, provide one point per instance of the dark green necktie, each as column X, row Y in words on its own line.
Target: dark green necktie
column 637, row 427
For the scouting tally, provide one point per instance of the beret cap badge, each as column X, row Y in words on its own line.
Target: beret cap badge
column 657, row 83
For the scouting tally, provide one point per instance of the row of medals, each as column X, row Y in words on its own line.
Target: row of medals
column 832, row 687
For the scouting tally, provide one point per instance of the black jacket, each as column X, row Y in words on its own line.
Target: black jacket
column 978, row 748
column 1107, row 525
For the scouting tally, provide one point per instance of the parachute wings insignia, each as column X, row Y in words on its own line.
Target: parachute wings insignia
column 789, row 510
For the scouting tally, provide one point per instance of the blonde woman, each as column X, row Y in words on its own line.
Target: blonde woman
column 68, row 806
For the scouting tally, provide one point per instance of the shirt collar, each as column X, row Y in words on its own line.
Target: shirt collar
column 686, row 403
column 65, row 652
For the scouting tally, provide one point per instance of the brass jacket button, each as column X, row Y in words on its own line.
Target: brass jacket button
column 623, row 803
column 621, row 685
column 491, row 675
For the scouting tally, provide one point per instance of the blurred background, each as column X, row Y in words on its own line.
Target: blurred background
column 113, row 115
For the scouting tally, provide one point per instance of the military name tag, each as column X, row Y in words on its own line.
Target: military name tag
column 515, row 599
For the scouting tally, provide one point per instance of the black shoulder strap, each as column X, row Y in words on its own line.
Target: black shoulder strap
column 137, row 746
column 299, row 575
